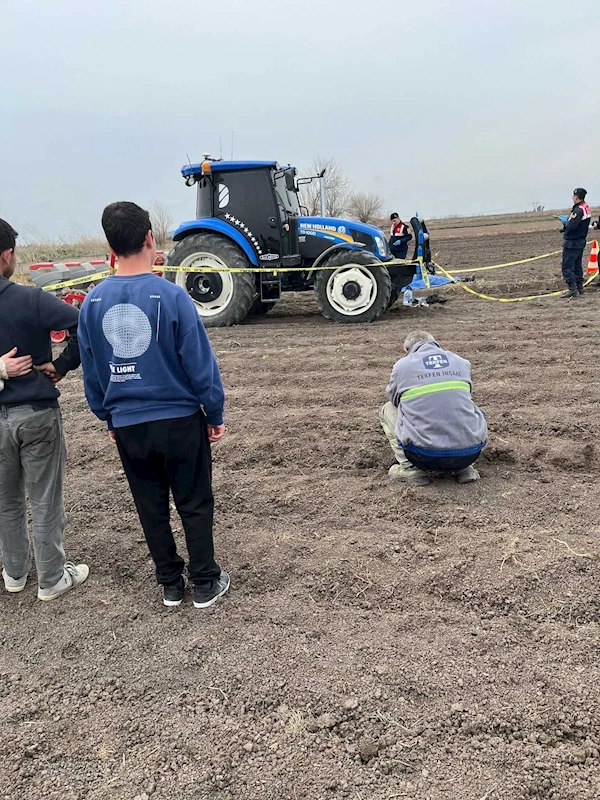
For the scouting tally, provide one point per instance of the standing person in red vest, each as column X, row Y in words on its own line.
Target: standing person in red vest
column 400, row 236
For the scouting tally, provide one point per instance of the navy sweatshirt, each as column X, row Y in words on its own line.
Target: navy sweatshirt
column 27, row 315
column 145, row 353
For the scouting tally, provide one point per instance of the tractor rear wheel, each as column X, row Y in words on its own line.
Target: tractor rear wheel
column 357, row 288
column 221, row 298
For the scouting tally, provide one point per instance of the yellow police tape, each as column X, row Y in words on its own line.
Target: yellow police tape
column 97, row 276
column 508, row 263
column 397, row 261
column 504, row 299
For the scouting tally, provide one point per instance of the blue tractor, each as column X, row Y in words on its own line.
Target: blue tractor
column 249, row 227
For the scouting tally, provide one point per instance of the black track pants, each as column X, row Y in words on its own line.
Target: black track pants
column 175, row 454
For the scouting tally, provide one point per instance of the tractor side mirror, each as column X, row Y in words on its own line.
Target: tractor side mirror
column 290, row 183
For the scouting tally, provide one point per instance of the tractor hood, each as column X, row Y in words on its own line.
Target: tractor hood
column 344, row 230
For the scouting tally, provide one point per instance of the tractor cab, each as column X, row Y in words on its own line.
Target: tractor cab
column 252, row 201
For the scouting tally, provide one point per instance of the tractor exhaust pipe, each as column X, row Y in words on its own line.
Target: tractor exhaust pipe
column 322, row 193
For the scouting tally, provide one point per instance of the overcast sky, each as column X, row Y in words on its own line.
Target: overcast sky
column 441, row 107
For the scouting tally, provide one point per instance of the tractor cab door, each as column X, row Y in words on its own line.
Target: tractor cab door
column 245, row 199
column 286, row 195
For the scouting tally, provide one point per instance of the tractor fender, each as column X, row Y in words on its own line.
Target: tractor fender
column 219, row 226
column 333, row 249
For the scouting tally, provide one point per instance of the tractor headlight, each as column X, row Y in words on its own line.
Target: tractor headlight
column 381, row 246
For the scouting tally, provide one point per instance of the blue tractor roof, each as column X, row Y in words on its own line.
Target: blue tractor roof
column 226, row 166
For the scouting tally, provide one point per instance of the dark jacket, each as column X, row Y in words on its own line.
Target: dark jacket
column 577, row 226
column 27, row 315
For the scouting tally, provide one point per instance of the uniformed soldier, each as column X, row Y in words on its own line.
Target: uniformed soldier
column 575, row 237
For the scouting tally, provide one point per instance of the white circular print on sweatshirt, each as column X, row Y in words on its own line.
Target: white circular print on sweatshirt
column 127, row 330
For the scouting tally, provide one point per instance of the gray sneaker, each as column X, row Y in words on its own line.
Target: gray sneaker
column 13, row 584
column 412, row 475
column 72, row 576
column 207, row 594
column 467, row 475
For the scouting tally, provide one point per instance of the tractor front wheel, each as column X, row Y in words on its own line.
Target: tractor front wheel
column 357, row 288
column 222, row 298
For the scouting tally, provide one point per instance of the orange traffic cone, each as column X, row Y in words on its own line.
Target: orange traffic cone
column 592, row 266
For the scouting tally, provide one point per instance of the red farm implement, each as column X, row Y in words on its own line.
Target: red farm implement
column 72, row 280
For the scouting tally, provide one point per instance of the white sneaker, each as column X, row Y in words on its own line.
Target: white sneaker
column 13, row 584
column 467, row 475
column 72, row 576
column 412, row 475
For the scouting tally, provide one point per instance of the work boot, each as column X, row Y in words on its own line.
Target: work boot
column 580, row 288
column 412, row 475
column 570, row 292
column 72, row 576
column 467, row 475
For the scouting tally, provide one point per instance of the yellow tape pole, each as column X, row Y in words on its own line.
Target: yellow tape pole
column 424, row 273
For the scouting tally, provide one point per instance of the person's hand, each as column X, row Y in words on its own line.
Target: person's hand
column 112, row 436
column 16, row 366
column 49, row 371
column 215, row 432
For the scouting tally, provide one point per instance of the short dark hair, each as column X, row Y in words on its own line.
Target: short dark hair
column 125, row 226
column 8, row 236
column 580, row 193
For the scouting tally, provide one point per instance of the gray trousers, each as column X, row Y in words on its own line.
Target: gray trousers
column 388, row 416
column 32, row 461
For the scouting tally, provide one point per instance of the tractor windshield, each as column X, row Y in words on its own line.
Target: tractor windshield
column 286, row 196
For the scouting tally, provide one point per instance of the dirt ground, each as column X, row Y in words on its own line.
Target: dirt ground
column 378, row 642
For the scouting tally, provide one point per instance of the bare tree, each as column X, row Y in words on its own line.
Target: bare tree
column 338, row 188
column 366, row 207
column 162, row 222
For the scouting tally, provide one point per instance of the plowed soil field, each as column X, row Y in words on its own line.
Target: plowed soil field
column 379, row 641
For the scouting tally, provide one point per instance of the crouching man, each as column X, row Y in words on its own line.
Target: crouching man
column 431, row 421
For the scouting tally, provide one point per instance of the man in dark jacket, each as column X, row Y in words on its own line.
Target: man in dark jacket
column 32, row 443
column 575, row 237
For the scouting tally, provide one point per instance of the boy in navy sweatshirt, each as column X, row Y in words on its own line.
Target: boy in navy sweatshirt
column 150, row 373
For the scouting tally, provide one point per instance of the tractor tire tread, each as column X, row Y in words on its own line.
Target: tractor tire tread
column 227, row 251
